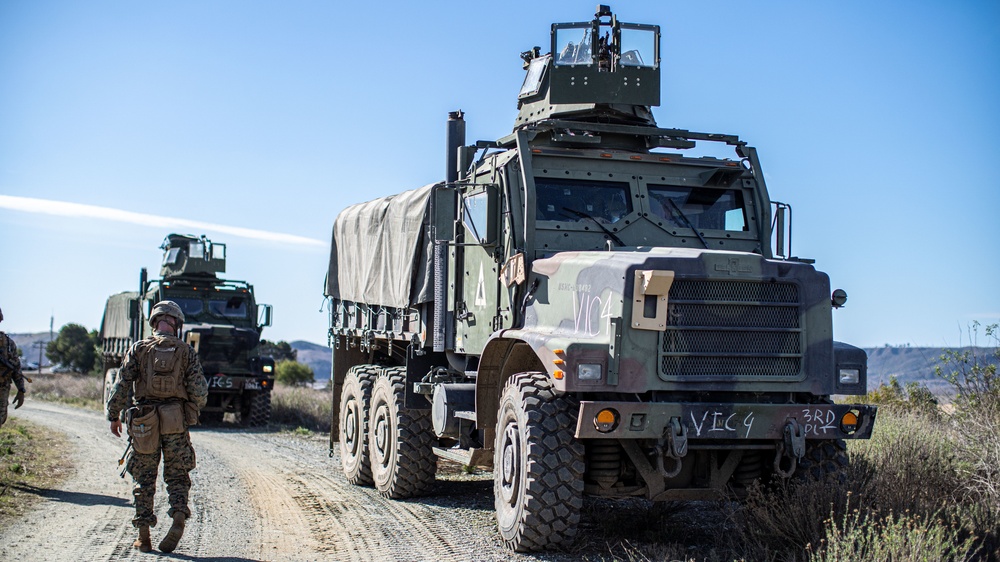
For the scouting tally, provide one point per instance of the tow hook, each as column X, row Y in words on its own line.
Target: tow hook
column 791, row 448
column 676, row 447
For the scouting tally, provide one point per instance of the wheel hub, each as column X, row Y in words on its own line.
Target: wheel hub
column 350, row 427
column 511, row 464
column 381, row 433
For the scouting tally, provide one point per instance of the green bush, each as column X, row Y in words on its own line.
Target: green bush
column 914, row 397
column 293, row 373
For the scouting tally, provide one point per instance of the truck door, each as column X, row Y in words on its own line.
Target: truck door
column 476, row 307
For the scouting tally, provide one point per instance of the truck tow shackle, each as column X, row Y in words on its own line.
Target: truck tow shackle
column 791, row 448
column 676, row 448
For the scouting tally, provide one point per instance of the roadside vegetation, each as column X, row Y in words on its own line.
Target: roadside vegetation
column 925, row 487
column 30, row 463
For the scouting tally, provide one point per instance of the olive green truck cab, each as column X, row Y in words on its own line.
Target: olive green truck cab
column 587, row 307
column 222, row 320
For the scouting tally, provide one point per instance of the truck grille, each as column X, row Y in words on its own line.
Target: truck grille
column 732, row 329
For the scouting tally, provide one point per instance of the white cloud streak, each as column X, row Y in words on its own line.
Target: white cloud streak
column 79, row 210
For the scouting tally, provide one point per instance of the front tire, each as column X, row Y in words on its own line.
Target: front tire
column 256, row 410
column 538, row 466
column 355, row 400
column 823, row 459
column 400, row 440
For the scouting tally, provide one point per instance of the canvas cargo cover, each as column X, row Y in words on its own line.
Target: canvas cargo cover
column 380, row 253
column 116, row 322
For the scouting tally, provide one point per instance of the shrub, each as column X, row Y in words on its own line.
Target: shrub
column 915, row 397
column 905, row 538
column 293, row 373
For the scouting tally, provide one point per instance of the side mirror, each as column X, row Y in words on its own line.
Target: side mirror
column 133, row 309
column 263, row 315
column 782, row 216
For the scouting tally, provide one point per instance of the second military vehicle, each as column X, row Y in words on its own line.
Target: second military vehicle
column 588, row 307
column 222, row 321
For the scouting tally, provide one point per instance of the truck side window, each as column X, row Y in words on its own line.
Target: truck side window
column 706, row 208
column 474, row 215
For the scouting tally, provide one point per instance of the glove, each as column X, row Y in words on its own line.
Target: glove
column 18, row 399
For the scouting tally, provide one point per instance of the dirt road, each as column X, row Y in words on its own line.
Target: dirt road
column 256, row 496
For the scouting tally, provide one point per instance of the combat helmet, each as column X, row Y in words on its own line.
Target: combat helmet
column 166, row 308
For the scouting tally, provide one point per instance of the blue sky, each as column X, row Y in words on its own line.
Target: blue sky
column 878, row 122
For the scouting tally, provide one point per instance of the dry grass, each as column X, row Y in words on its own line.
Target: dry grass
column 78, row 390
column 29, row 460
column 301, row 407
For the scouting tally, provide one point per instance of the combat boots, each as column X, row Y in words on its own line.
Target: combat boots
column 143, row 543
column 169, row 542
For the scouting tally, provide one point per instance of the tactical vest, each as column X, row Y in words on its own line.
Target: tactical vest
column 161, row 371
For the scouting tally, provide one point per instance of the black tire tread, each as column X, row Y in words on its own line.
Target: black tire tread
column 823, row 459
column 364, row 376
column 416, row 464
column 555, row 467
column 259, row 412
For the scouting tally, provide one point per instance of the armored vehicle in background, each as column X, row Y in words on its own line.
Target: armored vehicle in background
column 587, row 307
column 222, row 321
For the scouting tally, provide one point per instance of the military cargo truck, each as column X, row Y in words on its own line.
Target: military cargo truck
column 222, row 321
column 588, row 307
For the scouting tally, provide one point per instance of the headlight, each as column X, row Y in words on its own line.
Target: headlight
column 268, row 368
column 589, row 371
column 850, row 376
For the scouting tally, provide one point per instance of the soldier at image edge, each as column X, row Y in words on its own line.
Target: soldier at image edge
column 10, row 371
column 168, row 388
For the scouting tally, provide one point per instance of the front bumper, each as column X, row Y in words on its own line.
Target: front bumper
column 649, row 420
column 237, row 383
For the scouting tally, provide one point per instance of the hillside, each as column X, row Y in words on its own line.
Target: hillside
column 319, row 357
column 29, row 346
column 914, row 364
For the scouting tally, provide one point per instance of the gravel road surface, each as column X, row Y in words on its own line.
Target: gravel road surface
column 257, row 495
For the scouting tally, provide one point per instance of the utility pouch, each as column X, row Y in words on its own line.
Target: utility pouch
column 165, row 372
column 144, row 428
column 190, row 413
column 171, row 418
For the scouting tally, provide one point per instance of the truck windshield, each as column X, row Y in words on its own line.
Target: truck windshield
column 581, row 200
column 233, row 307
column 190, row 307
column 706, row 208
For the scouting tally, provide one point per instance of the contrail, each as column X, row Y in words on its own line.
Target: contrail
column 65, row 209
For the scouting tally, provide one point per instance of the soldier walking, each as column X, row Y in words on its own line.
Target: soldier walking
column 10, row 371
column 168, row 388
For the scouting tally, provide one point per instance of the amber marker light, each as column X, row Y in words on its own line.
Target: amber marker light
column 605, row 155
column 558, row 374
column 606, row 420
column 849, row 422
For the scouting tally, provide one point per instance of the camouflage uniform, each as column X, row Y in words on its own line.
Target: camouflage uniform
column 178, row 454
column 10, row 371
